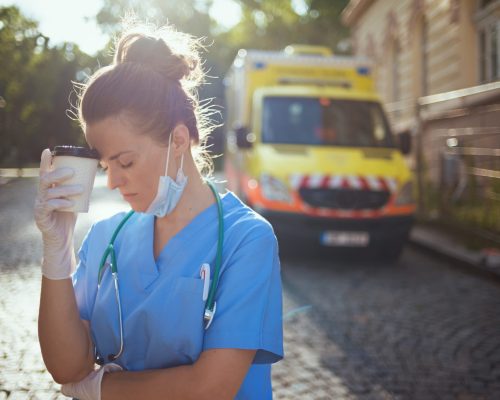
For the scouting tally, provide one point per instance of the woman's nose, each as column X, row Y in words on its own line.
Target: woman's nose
column 115, row 179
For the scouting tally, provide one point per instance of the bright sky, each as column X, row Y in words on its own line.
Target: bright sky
column 73, row 20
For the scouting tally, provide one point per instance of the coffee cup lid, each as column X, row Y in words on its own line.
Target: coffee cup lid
column 75, row 151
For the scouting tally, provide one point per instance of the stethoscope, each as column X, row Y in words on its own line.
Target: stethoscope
column 210, row 305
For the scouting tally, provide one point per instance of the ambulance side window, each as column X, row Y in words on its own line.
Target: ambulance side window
column 267, row 124
column 377, row 125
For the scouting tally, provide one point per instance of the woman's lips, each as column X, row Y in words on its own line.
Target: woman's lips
column 128, row 196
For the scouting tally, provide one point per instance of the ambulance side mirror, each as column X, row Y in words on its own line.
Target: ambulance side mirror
column 404, row 139
column 243, row 137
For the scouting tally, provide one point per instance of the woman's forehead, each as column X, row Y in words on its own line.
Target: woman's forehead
column 113, row 135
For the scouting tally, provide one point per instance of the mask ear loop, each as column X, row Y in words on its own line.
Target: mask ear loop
column 182, row 162
column 180, row 172
column 168, row 152
column 181, row 169
column 168, row 156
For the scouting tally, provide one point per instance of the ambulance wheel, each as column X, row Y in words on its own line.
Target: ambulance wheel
column 391, row 253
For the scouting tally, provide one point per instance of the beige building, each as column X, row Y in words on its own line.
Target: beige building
column 425, row 47
column 437, row 67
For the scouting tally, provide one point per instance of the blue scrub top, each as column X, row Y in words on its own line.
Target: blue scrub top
column 162, row 300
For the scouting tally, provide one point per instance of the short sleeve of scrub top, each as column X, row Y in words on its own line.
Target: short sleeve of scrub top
column 82, row 292
column 248, row 314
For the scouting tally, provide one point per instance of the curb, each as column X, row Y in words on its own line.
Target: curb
column 8, row 174
column 444, row 246
column 18, row 172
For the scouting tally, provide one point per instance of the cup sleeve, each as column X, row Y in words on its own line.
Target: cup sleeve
column 249, row 301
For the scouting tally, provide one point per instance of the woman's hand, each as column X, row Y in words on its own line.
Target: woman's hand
column 56, row 227
column 89, row 388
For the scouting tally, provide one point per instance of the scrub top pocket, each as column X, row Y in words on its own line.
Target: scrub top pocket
column 183, row 316
column 162, row 329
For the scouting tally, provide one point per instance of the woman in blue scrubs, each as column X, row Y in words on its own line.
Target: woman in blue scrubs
column 142, row 116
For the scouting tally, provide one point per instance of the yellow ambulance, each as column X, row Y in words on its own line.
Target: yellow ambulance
column 310, row 148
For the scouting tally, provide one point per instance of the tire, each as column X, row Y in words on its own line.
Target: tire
column 390, row 253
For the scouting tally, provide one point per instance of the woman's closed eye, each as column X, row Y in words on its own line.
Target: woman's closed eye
column 125, row 161
column 126, row 165
column 104, row 167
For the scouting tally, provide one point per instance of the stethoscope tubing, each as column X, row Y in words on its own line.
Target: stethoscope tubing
column 210, row 305
column 112, row 357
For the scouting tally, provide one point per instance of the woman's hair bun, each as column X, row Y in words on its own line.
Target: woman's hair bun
column 155, row 53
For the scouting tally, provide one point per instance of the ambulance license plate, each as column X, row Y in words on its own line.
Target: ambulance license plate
column 345, row 239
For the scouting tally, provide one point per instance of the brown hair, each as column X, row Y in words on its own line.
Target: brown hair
column 153, row 82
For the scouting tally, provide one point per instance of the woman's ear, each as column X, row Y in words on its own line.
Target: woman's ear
column 180, row 140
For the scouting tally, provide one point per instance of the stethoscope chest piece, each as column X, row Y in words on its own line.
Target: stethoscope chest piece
column 209, row 316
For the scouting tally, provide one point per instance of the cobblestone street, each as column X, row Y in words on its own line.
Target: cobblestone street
column 419, row 329
column 416, row 330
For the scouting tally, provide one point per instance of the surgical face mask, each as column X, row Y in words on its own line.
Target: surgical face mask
column 169, row 191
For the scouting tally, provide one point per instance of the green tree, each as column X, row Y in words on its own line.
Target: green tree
column 188, row 15
column 35, row 84
column 270, row 24
column 273, row 25
column 18, row 38
column 45, row 117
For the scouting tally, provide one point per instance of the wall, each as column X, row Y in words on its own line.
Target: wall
column 439, row 34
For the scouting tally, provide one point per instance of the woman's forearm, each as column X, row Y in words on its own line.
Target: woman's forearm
column 217, row 374
column 64, row 341
column 172, row 383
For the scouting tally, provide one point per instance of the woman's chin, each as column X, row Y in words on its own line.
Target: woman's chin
column 136, row 206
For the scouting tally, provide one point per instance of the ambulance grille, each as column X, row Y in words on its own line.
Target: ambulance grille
column 345, row 199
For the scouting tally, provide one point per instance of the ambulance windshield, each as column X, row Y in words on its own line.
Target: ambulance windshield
column 324, row 121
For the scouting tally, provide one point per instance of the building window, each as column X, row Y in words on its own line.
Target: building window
column 482, row 55
column 486, row 3
column 391, row 42
column 395, row 78
column 488, row 28
column 424, row 57
column 494, row 50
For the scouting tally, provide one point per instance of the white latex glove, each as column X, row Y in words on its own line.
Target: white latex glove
column 57, row 227
column 89, row 388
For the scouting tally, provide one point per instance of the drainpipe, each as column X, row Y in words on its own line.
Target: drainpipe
column 419, row 158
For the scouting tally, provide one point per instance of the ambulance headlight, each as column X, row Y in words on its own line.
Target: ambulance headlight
column 273, row 189
column 405, row 195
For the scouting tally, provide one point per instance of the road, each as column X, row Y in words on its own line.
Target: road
column 354, row 328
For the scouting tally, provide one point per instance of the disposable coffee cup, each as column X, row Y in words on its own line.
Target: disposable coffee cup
column 84, row 162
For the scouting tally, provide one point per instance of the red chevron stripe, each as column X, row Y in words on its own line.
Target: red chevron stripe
column 364, row 183
column 345, row 183
column 304, row 181
column 384, row 185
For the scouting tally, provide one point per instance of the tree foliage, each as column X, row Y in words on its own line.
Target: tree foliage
column 35, row 84
column 275, row 24
column 269, row 24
